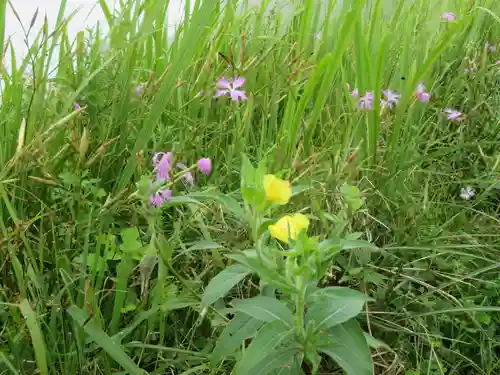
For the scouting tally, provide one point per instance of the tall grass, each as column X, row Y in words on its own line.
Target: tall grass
column 67, row 175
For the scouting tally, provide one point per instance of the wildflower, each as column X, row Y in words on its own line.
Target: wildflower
column 160, row 197
column 277, row 190
column 162, row 162
column 366, row 102
column 498, row 62
column 448, row 16
column 288, row 227
column 77, row 106
column 391, row 98
column 453, row 114
column 467, row 193
column 229, row 87
column 139, row 89
column 490, row 47
column 354, row 93
column 205, row 166
column 188, row 176
column 421, row 94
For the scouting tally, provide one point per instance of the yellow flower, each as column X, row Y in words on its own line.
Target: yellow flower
column 277, row 190
column 288, row 227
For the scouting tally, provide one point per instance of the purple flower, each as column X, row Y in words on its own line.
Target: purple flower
column 498, row 62
column 421, row 94
column 366, row 102
column 77, row 106
column 391, row 98
column 229, row 87
column 453, row 114
column 205, row 166
column 162, row 162
column 188, row 176
column 448, row 16
column 160, row 197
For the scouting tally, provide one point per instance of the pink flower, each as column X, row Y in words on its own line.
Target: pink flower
column 354, row 93
column 162, row 162
column 205, row 166
column 188, row 176
column 421, row 94
column 453, row 114
column 160, row 197
column 448, row 16
column 229, row 87
column 391, row 98
column 366, row 102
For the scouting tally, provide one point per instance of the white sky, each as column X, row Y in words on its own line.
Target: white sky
column 89, row 13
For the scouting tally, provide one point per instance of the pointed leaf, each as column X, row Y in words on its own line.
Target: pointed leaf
column 346, row 344
column 269, row 336
column 221, row 284
column 334, row 305
column 279, row 362
column 239, row 329
column 264, row 308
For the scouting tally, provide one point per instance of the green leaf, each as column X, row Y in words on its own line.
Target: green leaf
column 278, row 362
column 269, row 275
column 36, row 336
column 356, row 244
column 334, row 305
column 221, row 284
column 375, row 343
column 269, row 336
column 97, row 335
column 223, row 199
column 131, row 243
column 203, row 245
column 264, row 308
column 239, row 329
column 346, row 344
column 352, row 196
column 252, row 182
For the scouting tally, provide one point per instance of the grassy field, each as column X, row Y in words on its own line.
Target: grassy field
column 382, row 114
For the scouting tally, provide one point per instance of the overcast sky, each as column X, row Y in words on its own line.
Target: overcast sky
column 88, row 15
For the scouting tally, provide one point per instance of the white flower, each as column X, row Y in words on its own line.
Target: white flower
column 467, row 193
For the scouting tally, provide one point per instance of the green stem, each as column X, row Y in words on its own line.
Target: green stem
column 299, row 306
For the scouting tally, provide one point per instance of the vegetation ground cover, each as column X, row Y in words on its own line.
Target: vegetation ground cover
column 383, row 116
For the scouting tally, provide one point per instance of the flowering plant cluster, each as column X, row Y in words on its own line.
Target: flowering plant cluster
column 293, row 318
column 167, row 173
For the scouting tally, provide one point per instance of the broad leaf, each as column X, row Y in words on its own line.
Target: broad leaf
column 346, row 345
column 221, row 284
column 270, row 276
column 266, row 340
column 267, row 309
column 239, row 329
column 334, row 305
column 279, row 362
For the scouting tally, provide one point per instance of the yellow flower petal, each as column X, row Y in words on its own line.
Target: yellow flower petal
column 300, row 222
column 277, row 190
column 288, row 227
